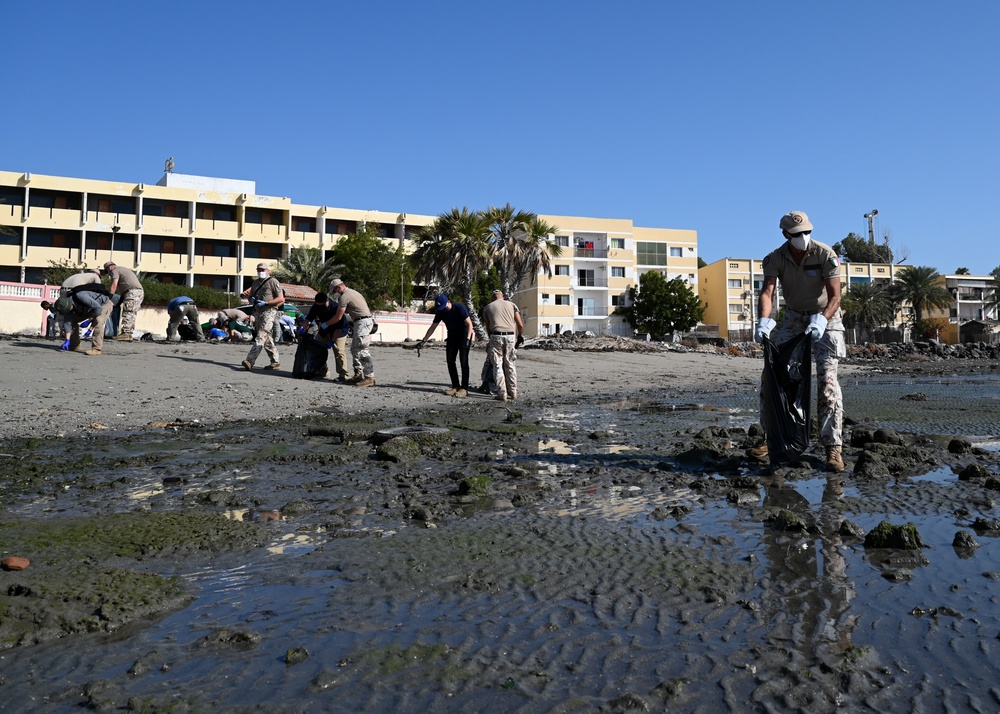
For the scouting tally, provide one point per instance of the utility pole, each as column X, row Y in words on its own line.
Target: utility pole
column 871, row 227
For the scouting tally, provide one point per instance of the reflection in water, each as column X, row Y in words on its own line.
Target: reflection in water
column 808, row 588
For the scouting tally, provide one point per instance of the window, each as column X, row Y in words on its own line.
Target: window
column 735, row 309
column 734, row 266
column 617, row 271
column 676, row 252
column 735, row 283
column 49, row 239
column 617, row 301
column 647, row 253
column 108, row 241
column 562, row 270
column 152, row 244
column 545, row 297
column 562, row 241
column 261, row 251
column 306, row 225
column 215, row 248
column 216, row 213
column 562, row 299
column 618, row 243
column 586, row 278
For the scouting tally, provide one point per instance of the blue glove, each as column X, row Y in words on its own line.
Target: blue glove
column 259, row 303
column 816, row 327
column 764, row 327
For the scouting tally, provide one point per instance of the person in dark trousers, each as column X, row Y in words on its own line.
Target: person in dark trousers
column 455, row 317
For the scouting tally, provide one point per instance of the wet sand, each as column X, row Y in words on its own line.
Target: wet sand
column 560, row 553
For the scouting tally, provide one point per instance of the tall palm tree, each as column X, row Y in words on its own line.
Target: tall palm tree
column 919, row 286
column 453, row 251
column 867, row 306
column 521, row 245
column 305, row 266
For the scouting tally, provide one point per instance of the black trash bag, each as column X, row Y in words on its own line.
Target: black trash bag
column 310, row 358
column 787, row 390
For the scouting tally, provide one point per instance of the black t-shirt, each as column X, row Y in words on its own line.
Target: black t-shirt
column 454, row 320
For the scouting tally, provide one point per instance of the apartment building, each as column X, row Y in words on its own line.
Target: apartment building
column 971, row 294
column 197, row 230
column 729, row 288
column 600, row 259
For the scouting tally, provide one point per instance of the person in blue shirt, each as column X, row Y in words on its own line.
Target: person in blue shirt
column 179, row 308
column 455, row 317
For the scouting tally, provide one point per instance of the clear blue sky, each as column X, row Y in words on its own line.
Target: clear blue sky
column 712, row 116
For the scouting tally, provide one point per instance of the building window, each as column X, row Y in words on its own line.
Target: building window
column 617, row 271
column 618, row 243
column 152, row 244
column 215, row 248
column 305, row 225
column 734, row 266
column 562, row 270
column 735, row 283
column 676, row 252
column 735, row 309
column 586, row 278
column 880, row 270
column 617, row 300
column 545, row 298
column 562, row 299
column 647, row 253
column 562, row 241
column 261, row 251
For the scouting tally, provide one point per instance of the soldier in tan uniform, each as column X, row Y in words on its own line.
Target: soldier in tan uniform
column 506, row 330
column 266, row 296
column 132, row 296
column 355, row 306
column 809, row 272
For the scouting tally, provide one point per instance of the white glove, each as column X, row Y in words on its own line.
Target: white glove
column 816, row 327
column 764, row 327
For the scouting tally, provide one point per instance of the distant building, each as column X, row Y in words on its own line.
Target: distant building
column 197, row 230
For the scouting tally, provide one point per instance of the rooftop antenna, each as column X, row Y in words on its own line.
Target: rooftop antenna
column 871, row 228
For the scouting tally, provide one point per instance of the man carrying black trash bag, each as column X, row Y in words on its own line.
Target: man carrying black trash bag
column 809, row 272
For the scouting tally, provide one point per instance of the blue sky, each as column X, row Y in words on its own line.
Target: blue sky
column 712, row 116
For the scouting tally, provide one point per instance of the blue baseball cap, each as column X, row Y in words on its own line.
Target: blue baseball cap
column 441, row 302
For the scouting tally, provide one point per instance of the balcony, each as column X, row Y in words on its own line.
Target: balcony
column 592, row 311
column 163, row 226
column 590, row 252
column 591, row 282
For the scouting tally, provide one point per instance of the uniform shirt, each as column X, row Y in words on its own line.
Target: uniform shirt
column 267, row 290
column 803, row 286
column 355, row 306
column 126, row 279
column 75, row 281
column 500, row 316
column 454, row 320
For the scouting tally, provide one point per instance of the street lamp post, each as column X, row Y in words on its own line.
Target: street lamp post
column 114, row 233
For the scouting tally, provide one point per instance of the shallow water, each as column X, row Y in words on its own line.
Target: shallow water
column 613, row 583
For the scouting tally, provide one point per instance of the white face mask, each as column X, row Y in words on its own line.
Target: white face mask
column 261, row 274
column 800, row 242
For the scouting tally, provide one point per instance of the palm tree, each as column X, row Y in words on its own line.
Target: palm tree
column 867, row 306
column 305, row 266
column 919, row 286
column 521, row 245
column 453, row 251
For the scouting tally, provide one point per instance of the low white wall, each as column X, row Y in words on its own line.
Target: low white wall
column 21, row 314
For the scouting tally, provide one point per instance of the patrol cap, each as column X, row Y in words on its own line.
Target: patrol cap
column 441, row 302
column 262, row 266
column 795, row 222
column 336, row 283
column 109, row 264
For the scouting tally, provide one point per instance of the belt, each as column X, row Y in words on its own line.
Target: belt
column 502, row 334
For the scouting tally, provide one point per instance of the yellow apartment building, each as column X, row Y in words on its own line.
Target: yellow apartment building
column 729, row 288
column 971, row 295
column 196, row 230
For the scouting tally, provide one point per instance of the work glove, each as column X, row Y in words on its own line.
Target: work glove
column 816, row 327
column 764, row 327
column 420, row 345
column 468, row 343
column 520, row 341
column 259, row 303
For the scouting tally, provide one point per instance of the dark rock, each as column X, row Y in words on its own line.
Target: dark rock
column 398, row 450
column 860, row 437
column 959, row 446
column 871, row 466
column 973, row 472
column 964, row 540
column 295, row 655
column 888, row 436
column 848, row 529
column 887, row 535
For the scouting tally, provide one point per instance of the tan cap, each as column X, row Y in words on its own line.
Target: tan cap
column 262, row 266
column 795, row 222
column 108, row 265
column 336, row 283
